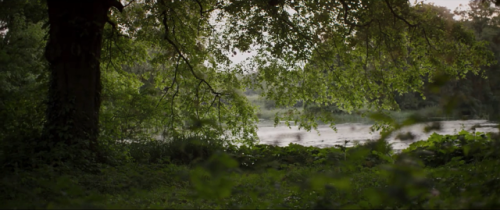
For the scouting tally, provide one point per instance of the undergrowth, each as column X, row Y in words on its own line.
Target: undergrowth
column 445, row 171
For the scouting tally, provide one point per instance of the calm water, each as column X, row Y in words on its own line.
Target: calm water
column 282, row 135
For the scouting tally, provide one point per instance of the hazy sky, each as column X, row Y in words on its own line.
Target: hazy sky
column 451, row 4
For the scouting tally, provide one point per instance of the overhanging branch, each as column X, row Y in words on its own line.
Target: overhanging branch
column 398, row 16
column 117, row 4
column 348, row 22
column 185, row 59
column 132, row 1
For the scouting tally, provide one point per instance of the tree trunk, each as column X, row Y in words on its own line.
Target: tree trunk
column 73, row 52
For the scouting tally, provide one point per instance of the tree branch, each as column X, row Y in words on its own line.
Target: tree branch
column 186, row 60
column 399, row 17
column 427, row 39
column 348, row 22
column 166, row 89
column 113, row 24
column 117, row 4
column 132, row 1
column 201, row 7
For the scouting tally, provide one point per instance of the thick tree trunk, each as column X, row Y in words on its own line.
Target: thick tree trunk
column 73, row 52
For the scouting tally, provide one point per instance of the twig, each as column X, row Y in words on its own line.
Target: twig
column 201, row 7
column 399, row 17
column 130, row 2
column 186, row 60
column 117, row 4
column 171, row 85
column 344, row 5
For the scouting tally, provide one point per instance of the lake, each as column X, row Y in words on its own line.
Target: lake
column 283, row 135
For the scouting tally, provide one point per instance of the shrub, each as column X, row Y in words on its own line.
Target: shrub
column 177, row 151
column 441, row 149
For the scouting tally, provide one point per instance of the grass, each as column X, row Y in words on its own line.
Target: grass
column 263, row 190
column 296, row 187
column 132, row 186
column 362, row 177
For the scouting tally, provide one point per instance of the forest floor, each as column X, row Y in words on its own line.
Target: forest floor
column 437, row 173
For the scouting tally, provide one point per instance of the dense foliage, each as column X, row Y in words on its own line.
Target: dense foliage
column 452, row 171
column 478, row 94
column 353, row 54
column 176, row 130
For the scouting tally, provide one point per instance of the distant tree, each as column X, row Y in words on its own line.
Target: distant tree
column 482, row 17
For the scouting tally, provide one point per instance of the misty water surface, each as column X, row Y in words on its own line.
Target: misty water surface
column 283, row 135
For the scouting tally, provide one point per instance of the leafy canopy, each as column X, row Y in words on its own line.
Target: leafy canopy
column 352, row 53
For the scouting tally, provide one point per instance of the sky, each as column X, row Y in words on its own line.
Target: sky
column 450, row 4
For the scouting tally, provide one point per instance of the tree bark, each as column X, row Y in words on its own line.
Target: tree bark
column 73, row 51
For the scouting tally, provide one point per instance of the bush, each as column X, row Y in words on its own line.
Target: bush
column 361, row 177
column 441, row 149
column 177, row 151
